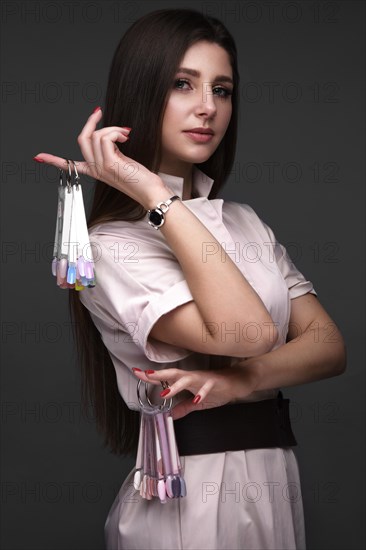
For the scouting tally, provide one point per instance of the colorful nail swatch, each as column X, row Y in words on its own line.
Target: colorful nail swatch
column 72, row 262
column 158, row 470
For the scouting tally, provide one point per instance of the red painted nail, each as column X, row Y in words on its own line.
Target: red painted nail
column 96, row 109
column 165, row 392
column 196, row 399
column 135, row 368
column 38, row 159
column 149, row 371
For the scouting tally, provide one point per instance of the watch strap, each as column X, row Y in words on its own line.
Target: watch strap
column 166, row 203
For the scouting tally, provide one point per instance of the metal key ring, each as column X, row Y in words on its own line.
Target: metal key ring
column 61, row 173
column 77, row 177
column 165, row 387
column 151, row 408
column 68, row 177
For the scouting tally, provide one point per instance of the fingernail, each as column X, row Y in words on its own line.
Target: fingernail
column 126, row 128
column 96, row 109
column 149, row 371
column 135, row 368
column 38, row 159
column 196, row 399
column 165, row 392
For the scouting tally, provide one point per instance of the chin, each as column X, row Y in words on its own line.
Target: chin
column 194, row 159
column 198, row 156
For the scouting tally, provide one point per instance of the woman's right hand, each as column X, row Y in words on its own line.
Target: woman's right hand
column 104, row 161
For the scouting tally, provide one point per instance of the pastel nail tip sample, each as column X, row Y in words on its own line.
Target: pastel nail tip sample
column 89, row 272
column 137, row 480
column 176, row 487
column 169, row 487
column 148, row 485
column 144, row 484
column 71, row 274
column 81, row 266
column 161, row 490
column 59, row 278
column 62, row 266
column 155, row 487
column 183, row 487
column 54, row 266
column 151, row 486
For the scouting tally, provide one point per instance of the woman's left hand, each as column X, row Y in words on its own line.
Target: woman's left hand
column 214, row 387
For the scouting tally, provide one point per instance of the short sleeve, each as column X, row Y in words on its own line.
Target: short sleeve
column 297, row 283
column 136, row 283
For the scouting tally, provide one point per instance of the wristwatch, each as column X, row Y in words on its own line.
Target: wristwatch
column 156, row 216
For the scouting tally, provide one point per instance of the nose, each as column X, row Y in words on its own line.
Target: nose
column 206, row 104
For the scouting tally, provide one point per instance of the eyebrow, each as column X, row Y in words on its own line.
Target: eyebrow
column 192, row 72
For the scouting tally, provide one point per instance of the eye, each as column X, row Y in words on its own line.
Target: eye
column 225, row 91
column 180, row 81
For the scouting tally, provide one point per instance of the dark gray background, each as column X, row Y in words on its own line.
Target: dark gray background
column 302, row 108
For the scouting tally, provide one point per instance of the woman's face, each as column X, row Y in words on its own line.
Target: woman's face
column 200, row 100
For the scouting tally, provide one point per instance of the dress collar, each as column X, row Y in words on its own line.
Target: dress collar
column 201, row 183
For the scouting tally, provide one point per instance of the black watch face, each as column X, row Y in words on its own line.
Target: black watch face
column 155, row 217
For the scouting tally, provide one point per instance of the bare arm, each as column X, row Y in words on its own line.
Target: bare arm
column 223, row 298
column 316, row 350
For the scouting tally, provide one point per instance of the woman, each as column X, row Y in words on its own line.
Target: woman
column 209, row 301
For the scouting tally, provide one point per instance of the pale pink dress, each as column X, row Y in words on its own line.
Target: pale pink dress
column 237, row 499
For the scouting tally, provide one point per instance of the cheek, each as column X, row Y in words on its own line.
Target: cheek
column 227, row 112
column 226, row 117
column 168, row 117
column 175, row 110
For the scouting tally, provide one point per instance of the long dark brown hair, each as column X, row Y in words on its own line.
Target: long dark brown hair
column 140, row 79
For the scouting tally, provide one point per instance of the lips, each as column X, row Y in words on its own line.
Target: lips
column 199, row 137
column 201, row 131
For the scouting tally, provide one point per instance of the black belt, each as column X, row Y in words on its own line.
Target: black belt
column 236, row 427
